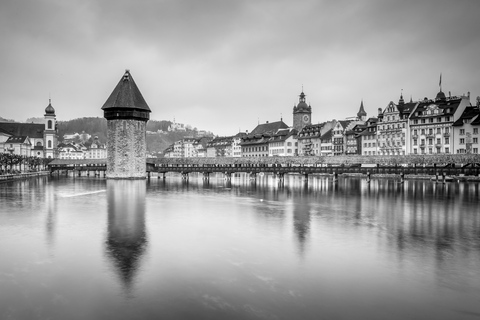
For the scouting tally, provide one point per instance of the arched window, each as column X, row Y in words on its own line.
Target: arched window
column 49, row 143
column 49, row 124
column 39, row 144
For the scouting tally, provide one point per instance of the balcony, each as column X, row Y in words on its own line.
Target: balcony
column 446, row 134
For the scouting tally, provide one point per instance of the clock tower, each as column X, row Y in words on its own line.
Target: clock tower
column 302, row 114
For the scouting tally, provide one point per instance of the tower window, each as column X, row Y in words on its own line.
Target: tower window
column 49, row 124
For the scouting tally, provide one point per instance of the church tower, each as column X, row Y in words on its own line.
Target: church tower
column 50, row 132
column 361, row 114
column 127, row 114
column 302, row 113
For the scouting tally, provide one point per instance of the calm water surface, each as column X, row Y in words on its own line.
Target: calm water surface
column 87, row 248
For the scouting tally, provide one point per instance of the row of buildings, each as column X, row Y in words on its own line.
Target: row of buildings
column 443, row 125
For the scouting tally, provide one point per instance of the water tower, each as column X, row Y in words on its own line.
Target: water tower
column 127, row 114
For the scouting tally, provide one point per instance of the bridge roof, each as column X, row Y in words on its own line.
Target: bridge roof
column 62, row 162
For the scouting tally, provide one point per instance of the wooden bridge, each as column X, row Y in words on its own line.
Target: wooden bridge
column 212, row 165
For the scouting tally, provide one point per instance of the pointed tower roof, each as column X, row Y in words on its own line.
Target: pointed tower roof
column 126, row 101
column 361, row 113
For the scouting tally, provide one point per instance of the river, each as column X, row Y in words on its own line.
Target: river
column 90, row 248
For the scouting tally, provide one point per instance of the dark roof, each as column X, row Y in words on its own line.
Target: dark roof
column 451, row 103
column 469, row 113
column 327, row 135
column 16, row 139
column 32, row 130
column 476, row 121
column 126, row 95
column 269, row 127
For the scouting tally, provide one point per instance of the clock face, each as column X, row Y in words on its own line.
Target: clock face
column 306, row 118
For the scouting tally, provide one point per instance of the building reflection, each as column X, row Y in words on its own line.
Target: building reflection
column 126, row 237
column 51, row 206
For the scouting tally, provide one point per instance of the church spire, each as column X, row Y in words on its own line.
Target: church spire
column 361, row 113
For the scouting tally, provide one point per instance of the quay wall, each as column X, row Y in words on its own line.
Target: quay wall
column 26, row 175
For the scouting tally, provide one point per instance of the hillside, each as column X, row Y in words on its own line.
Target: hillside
column 156, row 142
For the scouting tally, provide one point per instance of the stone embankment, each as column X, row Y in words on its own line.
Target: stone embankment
column 23, row 175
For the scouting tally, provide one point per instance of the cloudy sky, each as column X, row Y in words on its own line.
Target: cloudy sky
column 226, row 65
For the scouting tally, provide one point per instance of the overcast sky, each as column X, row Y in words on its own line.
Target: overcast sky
column 225, row 65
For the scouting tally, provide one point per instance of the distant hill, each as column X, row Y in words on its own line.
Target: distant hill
column 156, row 142
column 6, row 120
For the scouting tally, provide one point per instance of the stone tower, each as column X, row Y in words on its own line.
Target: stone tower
column 127, row 114
column 50, row 131
column 302, row 113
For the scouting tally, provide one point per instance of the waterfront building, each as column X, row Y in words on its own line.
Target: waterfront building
column 466, row 130
column 283, row 143
column 19, row 145
column 302, row 113
column 96, row 150
column 42, row 137
column 70, row 151
column 392, row 128
column 338, row 137
column 127, row 114
column 225, row 146
column 368, row 138
column 255, row 144
column 431, row 121
column 326, row 143
column 309, row 143
column 354, row 145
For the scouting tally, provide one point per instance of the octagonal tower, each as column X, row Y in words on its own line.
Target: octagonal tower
column 127, row 114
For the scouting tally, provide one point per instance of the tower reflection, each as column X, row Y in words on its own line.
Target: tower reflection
column 126, row 237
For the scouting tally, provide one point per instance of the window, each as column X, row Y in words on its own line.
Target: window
column 475, row 130
column 447, row 150
column 49, row 143
column 462, row 141
column 462, row 132
column 430, row 141
column 415, row 121
column 447, row 130
column 423, row 131
column 475, row 150
column 439, row 130
column 447, row 140
column 430, row 120
column 415, row 132
column 414, row 151
column 475, row 140
column 414, row 142
column 439, row 119
column 422, row 121
column 49, row 124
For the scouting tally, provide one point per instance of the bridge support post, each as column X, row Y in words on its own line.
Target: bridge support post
column 369, row 178
column 206, row 176
column 335, row 176
column 402, row 177
column 444, row 178
column 436, row 176
column 305, row 178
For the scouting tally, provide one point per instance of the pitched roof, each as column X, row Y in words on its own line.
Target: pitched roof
column 17, row 139
column 269, row 127
column 32, row 130
column 126, row 95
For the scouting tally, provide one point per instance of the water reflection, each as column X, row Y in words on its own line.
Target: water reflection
column 126, row 238
column 51, row 208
